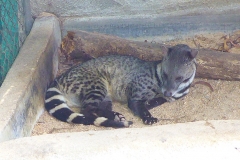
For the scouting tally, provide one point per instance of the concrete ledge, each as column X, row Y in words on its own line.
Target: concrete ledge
column 86, row 8
column 148, row 19
column 21, row 94
column 151, row 27
column 194, row 140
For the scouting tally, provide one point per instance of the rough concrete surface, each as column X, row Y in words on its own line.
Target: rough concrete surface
column 141, row 18
column 218, row 140
column 167, row 28
column 22, row 92
column 126, row 8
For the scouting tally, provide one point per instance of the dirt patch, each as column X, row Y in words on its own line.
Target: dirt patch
column 200, row 104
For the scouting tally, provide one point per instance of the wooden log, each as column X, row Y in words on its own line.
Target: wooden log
column 211, row 64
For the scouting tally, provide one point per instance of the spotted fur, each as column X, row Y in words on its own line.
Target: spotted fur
column 142, row 85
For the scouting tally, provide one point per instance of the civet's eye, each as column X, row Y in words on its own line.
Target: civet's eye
column 180, row 78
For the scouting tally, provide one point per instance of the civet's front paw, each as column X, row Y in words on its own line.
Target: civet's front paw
column 150, row 120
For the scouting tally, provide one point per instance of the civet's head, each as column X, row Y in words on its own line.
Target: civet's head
column 177, row 70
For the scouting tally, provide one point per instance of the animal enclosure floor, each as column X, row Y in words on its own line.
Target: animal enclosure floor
column 200, row 104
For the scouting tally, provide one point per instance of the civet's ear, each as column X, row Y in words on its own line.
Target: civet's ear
column 193, row 53
column 165, row 50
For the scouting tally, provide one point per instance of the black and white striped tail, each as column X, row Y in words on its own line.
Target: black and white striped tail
column 55, row 104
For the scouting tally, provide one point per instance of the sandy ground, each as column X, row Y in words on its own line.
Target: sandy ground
column 200, row 104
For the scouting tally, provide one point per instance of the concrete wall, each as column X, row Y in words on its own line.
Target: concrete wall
column 121, row 8
column 167, row 19
column 22, row 92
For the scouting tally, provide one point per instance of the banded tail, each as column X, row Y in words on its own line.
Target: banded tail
column 55, row 104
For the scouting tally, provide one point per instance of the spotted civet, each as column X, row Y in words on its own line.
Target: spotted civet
column 141, row 84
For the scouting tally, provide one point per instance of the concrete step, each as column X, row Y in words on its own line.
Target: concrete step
column 194, row 140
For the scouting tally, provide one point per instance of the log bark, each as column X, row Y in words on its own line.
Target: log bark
column 211, row 64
